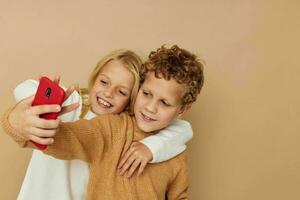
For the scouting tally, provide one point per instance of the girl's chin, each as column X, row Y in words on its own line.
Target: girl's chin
column 101, row 111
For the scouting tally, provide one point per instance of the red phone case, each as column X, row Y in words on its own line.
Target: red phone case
column 48, row 92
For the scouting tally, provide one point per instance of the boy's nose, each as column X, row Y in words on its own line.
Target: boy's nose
column 151, row 107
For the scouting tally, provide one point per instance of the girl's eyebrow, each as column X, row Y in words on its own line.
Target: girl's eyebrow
column 122, row 86
column 103, row 75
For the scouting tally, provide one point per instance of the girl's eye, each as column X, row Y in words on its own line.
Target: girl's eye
column 146, row 93
column 122, row 93
column 103, row 82
column 165, row 103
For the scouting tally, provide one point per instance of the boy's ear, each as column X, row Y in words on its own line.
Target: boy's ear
column 185, row 108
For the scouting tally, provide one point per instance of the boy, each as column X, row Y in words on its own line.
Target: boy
column 171, row 80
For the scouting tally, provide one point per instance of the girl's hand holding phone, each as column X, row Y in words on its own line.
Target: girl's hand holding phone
column 25, row 118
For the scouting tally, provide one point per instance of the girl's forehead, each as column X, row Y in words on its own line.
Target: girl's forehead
column 117, row 73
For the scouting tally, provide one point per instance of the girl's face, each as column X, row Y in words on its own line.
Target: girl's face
column 112, row 89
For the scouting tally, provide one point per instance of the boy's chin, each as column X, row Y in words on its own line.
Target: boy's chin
column 147, row 129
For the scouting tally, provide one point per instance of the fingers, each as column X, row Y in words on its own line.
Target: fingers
column 142, row 167
column 125, row 157
column 44, row 123
column 39, row 140
column 69, row 91
column 69, row 108
column 42, row 109
column 133, row 167
column 56, row 79
column 42, row 133
column 135, row 158
column 126, row 164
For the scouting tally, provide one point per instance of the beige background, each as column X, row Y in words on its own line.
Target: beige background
column 246, row 121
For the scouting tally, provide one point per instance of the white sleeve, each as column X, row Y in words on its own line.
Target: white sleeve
column 170, row 141
column 25, row 89
column 28, row 88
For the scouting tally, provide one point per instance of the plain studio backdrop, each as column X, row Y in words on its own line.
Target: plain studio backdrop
column 246, row 120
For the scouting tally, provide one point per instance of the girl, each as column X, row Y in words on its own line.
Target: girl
column 113, row 85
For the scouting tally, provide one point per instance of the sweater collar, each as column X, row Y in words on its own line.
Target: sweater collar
column 89, row 115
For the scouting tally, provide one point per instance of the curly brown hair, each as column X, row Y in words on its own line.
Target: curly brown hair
column 178, row 64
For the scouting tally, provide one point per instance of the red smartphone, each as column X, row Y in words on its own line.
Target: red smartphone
column 48, row 92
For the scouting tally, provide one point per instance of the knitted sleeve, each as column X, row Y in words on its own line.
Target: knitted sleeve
column 18, row 137
column 84, row 139
column 178, row 188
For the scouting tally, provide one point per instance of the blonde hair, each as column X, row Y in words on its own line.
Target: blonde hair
column 131, row 61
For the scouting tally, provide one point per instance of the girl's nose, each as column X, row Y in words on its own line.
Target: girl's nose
column 108, row 93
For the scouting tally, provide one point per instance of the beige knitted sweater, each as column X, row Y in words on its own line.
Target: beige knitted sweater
column 101, row 142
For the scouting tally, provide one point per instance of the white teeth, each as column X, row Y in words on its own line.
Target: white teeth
column 103, row 102
column 147, row 118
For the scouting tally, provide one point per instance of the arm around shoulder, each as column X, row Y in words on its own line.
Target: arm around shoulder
column 169, row 142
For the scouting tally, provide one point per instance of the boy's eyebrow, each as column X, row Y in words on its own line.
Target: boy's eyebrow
column 163, row 98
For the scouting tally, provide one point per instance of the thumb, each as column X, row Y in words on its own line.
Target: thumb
column 28, row 100
column 25, row 103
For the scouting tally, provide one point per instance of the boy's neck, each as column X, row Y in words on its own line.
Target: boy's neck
column 139, row 134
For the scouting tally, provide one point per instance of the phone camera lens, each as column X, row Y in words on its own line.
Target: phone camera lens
column 48, row 93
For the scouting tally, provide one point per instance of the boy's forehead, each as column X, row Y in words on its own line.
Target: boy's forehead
column 167, row 88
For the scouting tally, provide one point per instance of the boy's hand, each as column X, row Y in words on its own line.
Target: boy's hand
column 24, row 118
column 138, row 155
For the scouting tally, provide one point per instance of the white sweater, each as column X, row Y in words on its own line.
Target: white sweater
column 49, row 178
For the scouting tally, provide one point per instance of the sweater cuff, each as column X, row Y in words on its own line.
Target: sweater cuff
column 21, row 140
column 152, row 144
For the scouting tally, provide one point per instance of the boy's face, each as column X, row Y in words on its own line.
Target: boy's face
column 112, row 89
column 158, row 103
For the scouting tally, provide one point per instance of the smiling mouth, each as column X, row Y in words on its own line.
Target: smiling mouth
column 146, row 118
column 104, row 103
